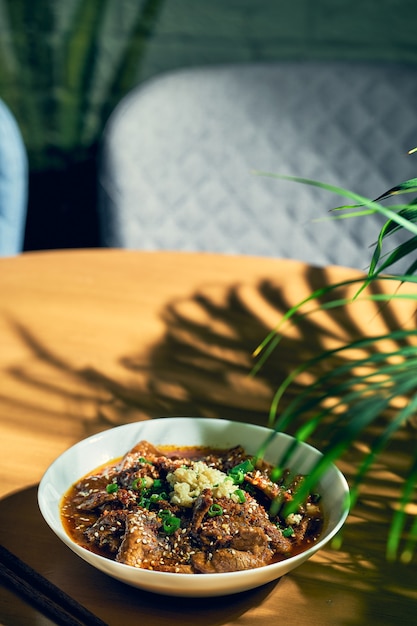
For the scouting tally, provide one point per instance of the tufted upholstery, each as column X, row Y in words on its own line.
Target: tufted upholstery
column 13, row 184
column 178, row 156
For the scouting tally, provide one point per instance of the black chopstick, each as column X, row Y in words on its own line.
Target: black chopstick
column 48, row 598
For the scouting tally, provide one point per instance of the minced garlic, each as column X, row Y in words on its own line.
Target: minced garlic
column 293, row 519
column 189, row 482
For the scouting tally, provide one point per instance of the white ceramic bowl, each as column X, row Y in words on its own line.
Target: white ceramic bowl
column 96, row 450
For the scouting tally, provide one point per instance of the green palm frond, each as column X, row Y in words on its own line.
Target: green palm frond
column 351, row 393
column 399, row 520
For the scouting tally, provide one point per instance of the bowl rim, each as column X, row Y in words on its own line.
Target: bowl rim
column 60, row 531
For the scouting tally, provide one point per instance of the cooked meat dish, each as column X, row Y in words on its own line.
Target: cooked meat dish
column 190, row 510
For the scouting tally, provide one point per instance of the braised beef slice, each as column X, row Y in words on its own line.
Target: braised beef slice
column 166, row 465
column 229, row 459
column 306, row 530
column 107, row 531
column 201, row 506
column 300, row 531
column 241, row 537
column 143, row 545
column 140, row 542
column 95, row 500
column 120, row 499
column 136, row 472
column 247, row 550
column 89, row 484
column 143, row 449
column 262, row 482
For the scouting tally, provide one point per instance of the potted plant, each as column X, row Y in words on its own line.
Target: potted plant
column 61, row 92
column 348, row 398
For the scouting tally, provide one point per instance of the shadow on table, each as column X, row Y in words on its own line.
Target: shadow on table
column 201, row 366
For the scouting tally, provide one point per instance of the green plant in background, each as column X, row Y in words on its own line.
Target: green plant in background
column 350, row 397
column 55, row 76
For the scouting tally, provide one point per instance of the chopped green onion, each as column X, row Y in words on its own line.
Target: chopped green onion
column 288, row 532
column 240, row 495
column 155, row 497
column 238, row 471
column 171, row 524
column 112, row 488
column 165, row 513
column 245, row 466
column 142, row 459
column 139, row 483
column 238, row 477
column 215, row 510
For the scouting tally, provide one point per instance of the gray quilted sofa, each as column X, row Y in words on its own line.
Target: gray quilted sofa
column 179, row 153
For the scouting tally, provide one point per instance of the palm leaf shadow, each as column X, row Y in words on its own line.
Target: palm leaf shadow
column 202, row 365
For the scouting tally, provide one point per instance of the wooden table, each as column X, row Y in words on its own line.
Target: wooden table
column 93, row 339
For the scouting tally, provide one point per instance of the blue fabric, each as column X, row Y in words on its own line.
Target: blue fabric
column 13, row 184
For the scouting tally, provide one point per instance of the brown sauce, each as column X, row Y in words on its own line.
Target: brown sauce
column 189, row 510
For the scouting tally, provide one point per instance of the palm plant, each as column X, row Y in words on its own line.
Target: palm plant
column 52, row 72
column 348, row 398
column 63, row 68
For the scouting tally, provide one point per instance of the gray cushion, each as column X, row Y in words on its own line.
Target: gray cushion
column 178, row 156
